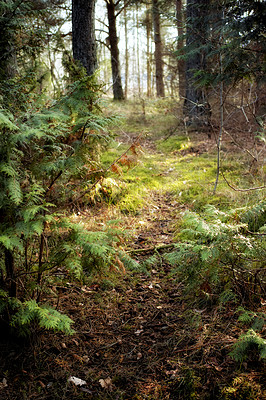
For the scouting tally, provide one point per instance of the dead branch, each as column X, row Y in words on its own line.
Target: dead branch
column 241, row 190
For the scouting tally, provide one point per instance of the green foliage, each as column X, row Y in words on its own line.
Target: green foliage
column 217, row 253
column 24, row 314
column 47, row 157
column 185, row 386
column 173, row 144
column 256, row 320
column 87, row 252
column 248, row 343
column 255, row 217
column 243, row 388
column 219, row 259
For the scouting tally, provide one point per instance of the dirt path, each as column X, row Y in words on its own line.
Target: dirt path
column 136, row 338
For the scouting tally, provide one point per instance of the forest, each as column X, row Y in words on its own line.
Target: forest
column 132, row 199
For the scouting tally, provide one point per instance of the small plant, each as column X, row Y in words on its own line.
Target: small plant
column 243, row 388
column 185, row 386
column 218, row 255
column 247, row 344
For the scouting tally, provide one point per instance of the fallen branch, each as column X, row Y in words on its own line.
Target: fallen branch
column 153, row 248
column 241, row 190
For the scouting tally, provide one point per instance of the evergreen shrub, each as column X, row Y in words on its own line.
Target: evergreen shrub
column 49, row 156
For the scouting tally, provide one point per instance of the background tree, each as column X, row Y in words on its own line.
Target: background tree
column 196, row 107
column 180, row 48
column 83, row 34
column 113, row 41
column 158, row 49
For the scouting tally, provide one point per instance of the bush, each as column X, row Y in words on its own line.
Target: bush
column 48, row 158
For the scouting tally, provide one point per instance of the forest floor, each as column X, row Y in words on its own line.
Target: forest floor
column 137, row 336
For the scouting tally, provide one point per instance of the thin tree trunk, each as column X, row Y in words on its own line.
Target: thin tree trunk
column 148, row 57
column 117, row 82
column 126, row 54
column 180, row 46
column 83, row 34
column 10, row 273
column 138, row 61
column 158, row 49
column 196, row 106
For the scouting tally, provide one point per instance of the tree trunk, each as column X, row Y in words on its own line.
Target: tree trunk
column 117, row 84
column 138, row 51
column 196, row 106
column 8, row 56
column 148, row 24
column 180, row 46
column 126, row 53
column 158, row 49
column 83, row 34
column 10, row 273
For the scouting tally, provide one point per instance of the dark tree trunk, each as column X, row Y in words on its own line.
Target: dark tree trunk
column 8, row 56
column 116, row 73
column 180, row 46
column 196, row 106
column 83, row 34
column 148, row 23
column 10, row 274
column 126, row 52
column 158, row 50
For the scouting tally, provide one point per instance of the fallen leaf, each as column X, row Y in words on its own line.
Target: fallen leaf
column 106, row 383
column 76, row 381
column 3, row 384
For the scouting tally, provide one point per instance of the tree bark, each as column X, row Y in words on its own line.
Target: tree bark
column 83, row 34
column 126, row 53
column 138, row 52
column 10, row 273
column 158, row 49
column 116, row 73
column 196, row 106
column 148, row 24
column 8, row 56
column 180, row 47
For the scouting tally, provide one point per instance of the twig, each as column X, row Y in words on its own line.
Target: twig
column 199, row 346
column 242, row 190
column 241, row 147
column 153, row 248
column 256, row 233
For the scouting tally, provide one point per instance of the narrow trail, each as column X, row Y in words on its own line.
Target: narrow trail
column 137, row 337
column 135, row 340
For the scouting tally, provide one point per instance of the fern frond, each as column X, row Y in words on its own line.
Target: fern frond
column 11, row 241
column 46, row 317
column 6, row 121
column 246, row 343
column 15, row 192
column 8, row 169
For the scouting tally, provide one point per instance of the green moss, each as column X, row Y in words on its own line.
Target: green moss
column 163, row 166
column 173, row 144
column 243, row 388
